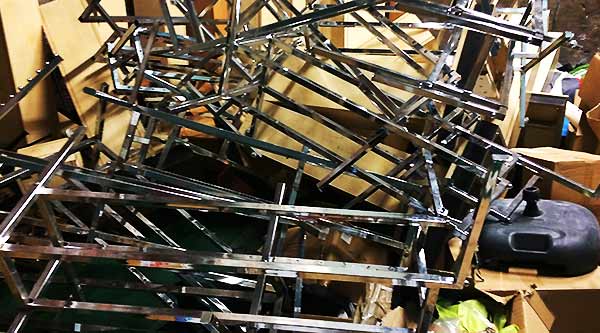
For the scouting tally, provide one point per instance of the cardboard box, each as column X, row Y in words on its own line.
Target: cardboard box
column 593, row 120
column 573, row 302
column 589, row 85
column 524, row 315
column 581, row 167
column 589, row 99
column 524, row 308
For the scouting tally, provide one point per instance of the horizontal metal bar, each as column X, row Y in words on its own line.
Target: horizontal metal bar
column 248, row 264
column 205, row 317
column 173, row 202
column 473, row 20
column 436, row 90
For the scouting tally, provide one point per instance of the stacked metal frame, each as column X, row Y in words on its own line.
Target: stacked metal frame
column 239, row 64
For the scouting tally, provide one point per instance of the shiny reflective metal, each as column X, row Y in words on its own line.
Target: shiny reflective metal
column 239, row 58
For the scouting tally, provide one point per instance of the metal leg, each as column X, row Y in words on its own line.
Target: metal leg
column 470, row 245
column 12, row 278
column 18, row 323
column 428, row 309
column 267, row 253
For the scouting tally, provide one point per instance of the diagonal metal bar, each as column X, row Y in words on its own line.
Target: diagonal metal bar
column 10, row 222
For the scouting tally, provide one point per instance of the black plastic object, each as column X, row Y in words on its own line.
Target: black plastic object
column 531, row 195
column 555, row 237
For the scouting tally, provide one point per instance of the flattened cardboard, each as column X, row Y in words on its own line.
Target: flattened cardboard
column 333, row 141
column 524, row 316
column 576, row 311
column 589, row 98
column 541, row 309
column 573, row 301
column 502, row 281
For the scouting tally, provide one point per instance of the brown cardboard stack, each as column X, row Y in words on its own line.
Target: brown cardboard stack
column 527, row 310
column 578, row 166
column 573, row 301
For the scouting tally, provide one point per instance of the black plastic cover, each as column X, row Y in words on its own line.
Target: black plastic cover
column 564, row 240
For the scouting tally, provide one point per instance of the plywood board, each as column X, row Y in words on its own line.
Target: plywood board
column 333, row 141
column 11, row 126
column 340, row 86
column 512, row 108
column 265, row 16
column 326, row 137
column 45, row 149
column 23, row 36
column 536, row 79
column 77, row 42
column 153, row 9
column 112, row 7
column 359, row 37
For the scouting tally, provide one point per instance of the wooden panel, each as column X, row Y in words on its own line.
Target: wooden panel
column 360, row 37
column 45, row 149
column 343, row 88
column 25, row 51
column 588, row 93
column 113, row 7
column 76, row 43
column 335, row 35
column 11, row 126
column 153, row 9
column 536, row 79
column 326, row 137
column 221, row 11
column 308, row 97
column 265, row 15
column 331, row 140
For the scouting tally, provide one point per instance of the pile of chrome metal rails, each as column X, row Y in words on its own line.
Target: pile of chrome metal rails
column 367, row 105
